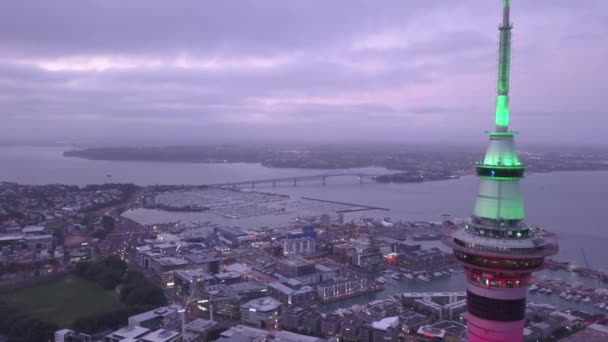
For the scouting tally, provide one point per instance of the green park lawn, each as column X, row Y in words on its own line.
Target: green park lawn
column 63, row 301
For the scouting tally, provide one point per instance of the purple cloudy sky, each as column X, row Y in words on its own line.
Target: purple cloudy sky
column 172, row 71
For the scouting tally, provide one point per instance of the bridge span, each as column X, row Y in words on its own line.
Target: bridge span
column 294, row 180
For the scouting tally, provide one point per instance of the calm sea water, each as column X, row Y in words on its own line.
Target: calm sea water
column 571, row 204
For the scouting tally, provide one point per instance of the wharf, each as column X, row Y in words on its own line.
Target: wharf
column 582, row 271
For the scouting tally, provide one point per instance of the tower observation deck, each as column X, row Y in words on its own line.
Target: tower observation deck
column 498, row 250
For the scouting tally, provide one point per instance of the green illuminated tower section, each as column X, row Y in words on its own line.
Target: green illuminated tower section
column 499, row 195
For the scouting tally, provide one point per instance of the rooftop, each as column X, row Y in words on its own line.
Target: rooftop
column 200, row 325
column 429, row 331
column 296, row 262
column 228, row 275
column 593, row 333
column 130, row 331
column 160, row 335
column 199, row 259
column 263, row 304
column 32, row 229
column 286, row 336
column 386, row 323
column 162, row 311
column 433, row 294
column 246, row 331
column 195, row 274
column 246, row 286
column 171, row 261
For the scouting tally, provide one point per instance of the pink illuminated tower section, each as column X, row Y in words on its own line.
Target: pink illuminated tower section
column 498, row 250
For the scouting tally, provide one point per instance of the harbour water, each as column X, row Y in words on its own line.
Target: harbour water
column 456, row 283
column 572, row 204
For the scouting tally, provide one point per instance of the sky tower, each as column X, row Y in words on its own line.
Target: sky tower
column 498, row 250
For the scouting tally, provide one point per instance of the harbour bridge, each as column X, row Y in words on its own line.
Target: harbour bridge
column 294, row 180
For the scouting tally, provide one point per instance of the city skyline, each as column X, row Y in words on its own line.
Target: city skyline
column 224, row 72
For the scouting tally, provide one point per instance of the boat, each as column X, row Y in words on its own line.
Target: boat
column 408, row 276
column 423, row 278
column 549, row 291
column 395, row 276
column 381, row 280
column 602, row 305
column 542, row 290
column 533, row 288
column 569, row 297
column 587, row 299
column 437, row 274
column 563, row 295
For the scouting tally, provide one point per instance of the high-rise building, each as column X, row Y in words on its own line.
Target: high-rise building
column 498, row 250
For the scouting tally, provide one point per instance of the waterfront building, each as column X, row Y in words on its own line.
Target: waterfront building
column 441, row 305
column 343, row 288
column 233, row 237
column 343, row 253
column 592, row 333
column 497, row 249
column 368, row 259
column 326, row 272
column 303, row 270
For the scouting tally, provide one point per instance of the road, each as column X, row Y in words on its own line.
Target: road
column 123, row 238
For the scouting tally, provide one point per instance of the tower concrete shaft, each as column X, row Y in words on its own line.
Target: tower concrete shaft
column 498, row 250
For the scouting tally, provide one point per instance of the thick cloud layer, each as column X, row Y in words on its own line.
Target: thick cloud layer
column 194, row 71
